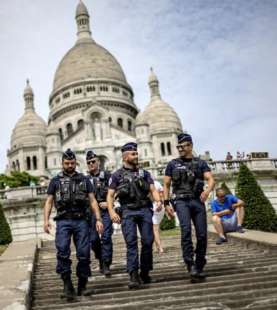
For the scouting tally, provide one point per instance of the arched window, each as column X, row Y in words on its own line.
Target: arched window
column 61, row 134
column 120, row 122
column 129, row 125
column 69, row 129
column 13, row 166
column 145, row 152
column 80, row 123
column 110, row 120
column 162, row 149
column 35, row 163
column 28, row 160
column 45, row 162
column 17, row 165
column 168, row 146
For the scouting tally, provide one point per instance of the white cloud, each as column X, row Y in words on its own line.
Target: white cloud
column 216, row 61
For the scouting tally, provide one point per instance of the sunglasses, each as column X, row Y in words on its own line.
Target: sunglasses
column 91, row 162
column 182, row 146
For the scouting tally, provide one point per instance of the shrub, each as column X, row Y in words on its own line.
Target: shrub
column 167, row 224
column 259, row 213
column 5, row 232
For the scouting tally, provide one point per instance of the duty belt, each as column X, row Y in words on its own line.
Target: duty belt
column 185, row 196
column 70, row 215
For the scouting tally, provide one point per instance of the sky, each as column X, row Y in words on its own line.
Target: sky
column 216, row 61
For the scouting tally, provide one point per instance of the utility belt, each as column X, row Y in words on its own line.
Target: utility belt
column 70, row 215
column 136, row 205
column 188, row 196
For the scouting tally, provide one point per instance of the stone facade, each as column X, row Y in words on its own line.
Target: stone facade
column 92, row 107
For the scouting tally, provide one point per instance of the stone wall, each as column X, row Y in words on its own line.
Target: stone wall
column 25, row 218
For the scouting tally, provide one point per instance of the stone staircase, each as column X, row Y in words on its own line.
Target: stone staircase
column 240, row 276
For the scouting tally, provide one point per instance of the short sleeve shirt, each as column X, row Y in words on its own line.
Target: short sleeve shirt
column 202, row 164
column 229, row 200
column 117, row 176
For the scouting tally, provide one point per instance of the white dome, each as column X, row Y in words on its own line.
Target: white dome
column 30, row 130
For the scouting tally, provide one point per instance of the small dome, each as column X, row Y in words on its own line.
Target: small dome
column 160, row 117
column 88, row 60
column 158, row 114
column 81, row 9
column 30, row 130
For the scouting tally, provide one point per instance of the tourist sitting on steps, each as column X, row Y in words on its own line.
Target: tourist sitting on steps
column 228, row 214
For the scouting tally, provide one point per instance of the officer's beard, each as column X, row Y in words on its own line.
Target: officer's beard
column 69, row 170
column 133, row 163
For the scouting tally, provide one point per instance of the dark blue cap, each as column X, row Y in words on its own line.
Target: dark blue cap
column 130, row 146
column 184, row 137
column 69, row 155
column 90, row 155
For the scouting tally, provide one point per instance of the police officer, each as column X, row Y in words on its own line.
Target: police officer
column 102, row 247
column 69, row 191
column 187, row 174
column 132, row 187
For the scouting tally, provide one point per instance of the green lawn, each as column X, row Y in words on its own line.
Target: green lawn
column 170, row 232
column 2, row 248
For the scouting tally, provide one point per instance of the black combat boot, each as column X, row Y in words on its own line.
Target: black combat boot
column 100, row 266
column 196, row 275
column 106, row 269
column 68, row 290
column 134, row 281
column 82, row 284
column 144, row 275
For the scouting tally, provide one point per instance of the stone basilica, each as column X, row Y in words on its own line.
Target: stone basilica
column 92, row 107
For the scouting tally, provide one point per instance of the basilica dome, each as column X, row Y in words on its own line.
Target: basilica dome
column 87, row 60
column 158, row 115
column 30, row 129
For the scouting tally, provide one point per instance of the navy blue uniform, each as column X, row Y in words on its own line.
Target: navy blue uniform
column 190, row 207
column 71, row 221
column 135, row 216
column 102, row 247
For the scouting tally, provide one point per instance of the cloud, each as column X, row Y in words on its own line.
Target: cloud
column 215, row 59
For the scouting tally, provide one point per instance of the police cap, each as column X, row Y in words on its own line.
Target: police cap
column 90, row 155
column 184, row 137
column 130, row 146
column 69, row 155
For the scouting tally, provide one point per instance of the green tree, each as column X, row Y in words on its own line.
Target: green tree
column 259, row 213
column 17, row 179
column 5, row 232
column 225, row 188
column 167, row 224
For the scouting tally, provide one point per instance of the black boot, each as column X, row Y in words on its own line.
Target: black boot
column 82, row 284
column 144, row 275
column 134, row 281
column 106, row 269
column 196, row 275
column 100, row 266
column 68, row 290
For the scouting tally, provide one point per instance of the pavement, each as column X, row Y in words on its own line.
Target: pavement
column 16, row 268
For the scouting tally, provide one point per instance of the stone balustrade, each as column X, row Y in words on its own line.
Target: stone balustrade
column 227, row 166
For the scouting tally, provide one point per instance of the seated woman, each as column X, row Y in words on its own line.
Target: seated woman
column 228, row 214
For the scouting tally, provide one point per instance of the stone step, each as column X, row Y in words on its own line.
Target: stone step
column 238, row 276
column 163, row 287
column 194, row 296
